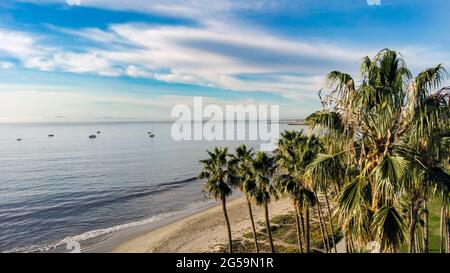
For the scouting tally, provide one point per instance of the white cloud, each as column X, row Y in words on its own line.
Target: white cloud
column 213, row 55
column 374, row 2
column 216, row 55
column 29, row 49
column 215, row 52
column 180, row 8
column 16, row 44
column 74, row 2
column 6, row 65
column 136, row 72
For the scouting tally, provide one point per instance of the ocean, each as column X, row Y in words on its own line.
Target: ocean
column 55, row 190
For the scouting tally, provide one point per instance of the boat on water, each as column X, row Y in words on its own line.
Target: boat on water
column 19, row 139
column 51, row 135
column 92, row 136
column 151, row 135
column 98, row 132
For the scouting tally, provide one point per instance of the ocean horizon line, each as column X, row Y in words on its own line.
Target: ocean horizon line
column 140, row 121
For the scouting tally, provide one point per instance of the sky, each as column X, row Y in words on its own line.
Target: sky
column 94, row 60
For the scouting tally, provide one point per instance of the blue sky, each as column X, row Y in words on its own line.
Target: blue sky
column 134, row 60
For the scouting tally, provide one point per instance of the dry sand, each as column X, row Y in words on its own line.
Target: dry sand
column 201, row 232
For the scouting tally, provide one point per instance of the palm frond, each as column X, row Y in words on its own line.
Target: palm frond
column 388, row 228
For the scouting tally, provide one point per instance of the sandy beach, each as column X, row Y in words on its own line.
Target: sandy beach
column 204, row 231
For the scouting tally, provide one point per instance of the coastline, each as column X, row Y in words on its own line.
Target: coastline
column 201, row 231
column 108, row 242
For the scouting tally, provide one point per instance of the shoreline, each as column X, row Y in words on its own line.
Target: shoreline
column 201, row 231
column 108, row 242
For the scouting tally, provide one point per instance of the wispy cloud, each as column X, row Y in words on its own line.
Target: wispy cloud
column 214, row 55
column 6, row 65
column 219, row 50
column 194, row 9
column 374, row 2
column 73, row 2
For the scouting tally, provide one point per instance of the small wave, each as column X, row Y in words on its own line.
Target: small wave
column 93, row 234
column 179, row 181
column 97, row 199
column 100, row 232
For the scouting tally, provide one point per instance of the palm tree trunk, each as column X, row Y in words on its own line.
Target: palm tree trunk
column 331, row 221
column 425, row 228
column 322, row 227
column 412, row 226
column 302, row 223
column 441, row 237
column 348, row 248
column 253, row 224
column 324, row 241
column 447, row 221
column 307, row 237
column 299, row 234
column 224, row 207
column 269, row 232
column 417, row 241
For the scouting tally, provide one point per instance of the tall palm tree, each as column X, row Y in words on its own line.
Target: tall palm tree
column 219, row 180
column 285, row 181
column 242, row 163
column 372, row 126
column 264, row 167
column 292, row 159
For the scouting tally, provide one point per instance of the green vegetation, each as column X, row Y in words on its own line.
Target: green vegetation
column 434, row 221
column 378, row 161
column 284, row 236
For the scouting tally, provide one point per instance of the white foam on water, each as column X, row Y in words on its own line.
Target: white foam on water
column 93, row 234
column 100, row 232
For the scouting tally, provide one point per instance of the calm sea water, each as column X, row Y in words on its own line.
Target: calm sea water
column 55, row 188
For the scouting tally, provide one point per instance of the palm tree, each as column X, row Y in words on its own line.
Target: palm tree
column 292, row 158
column 242, row 163
column 368, row 130
column 219, row 180
column 285, row 181
column 264, row 167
